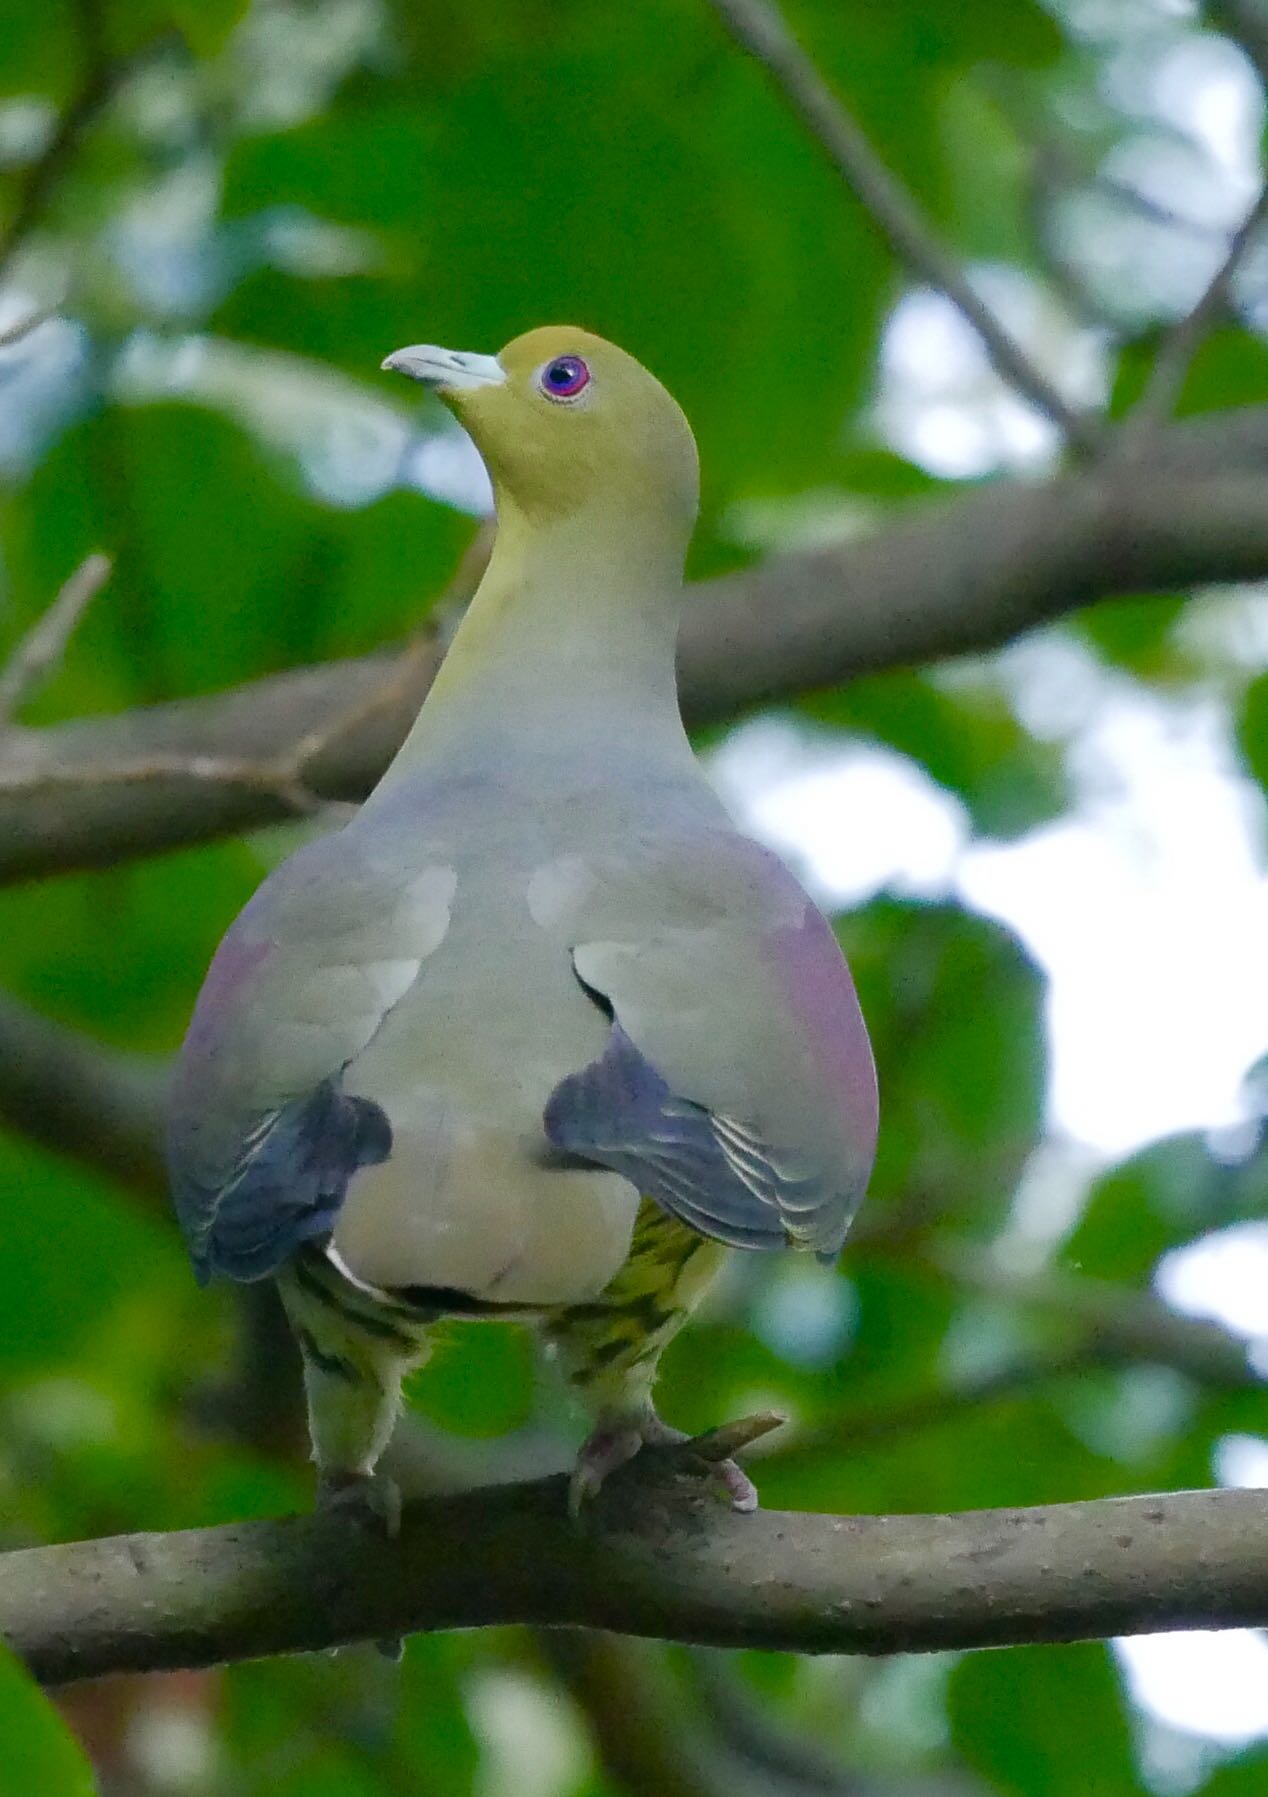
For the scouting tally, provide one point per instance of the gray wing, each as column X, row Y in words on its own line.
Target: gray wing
column 619, row 1112
column 285, row 1187
column 737, row 1087
column 262, row 1140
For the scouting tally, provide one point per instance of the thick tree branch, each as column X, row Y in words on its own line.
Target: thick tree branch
column 651, row 1562
column 758, row 27
column 962, row 575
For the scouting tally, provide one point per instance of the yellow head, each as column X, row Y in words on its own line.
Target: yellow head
column 566, row 423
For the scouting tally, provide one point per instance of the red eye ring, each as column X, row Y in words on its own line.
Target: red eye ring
column 563, row 378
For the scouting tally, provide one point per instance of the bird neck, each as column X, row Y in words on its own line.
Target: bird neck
column 568, row 643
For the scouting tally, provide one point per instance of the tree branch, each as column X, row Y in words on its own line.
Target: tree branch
column 101, row 77
column 1166, row 379
column 1118, row 1321
column 965, row 574
column 758, row 27
column 71, row 1095
column 45, row 643
column 650, row 1561
column 656, row 1738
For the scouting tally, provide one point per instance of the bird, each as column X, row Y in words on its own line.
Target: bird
column 539, row 1033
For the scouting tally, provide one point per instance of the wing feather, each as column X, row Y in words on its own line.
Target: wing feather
column 262, row 1139
column 737, row 1086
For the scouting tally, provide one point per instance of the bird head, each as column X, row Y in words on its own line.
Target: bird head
column 565, row 423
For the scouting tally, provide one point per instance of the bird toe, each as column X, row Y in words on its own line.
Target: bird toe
column 370, row 1500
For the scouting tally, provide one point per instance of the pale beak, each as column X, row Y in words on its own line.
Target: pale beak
column 444, row 370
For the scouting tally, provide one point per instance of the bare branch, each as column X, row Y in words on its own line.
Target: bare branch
column 657, row 1739
column 45, row 643
column 937, row 1405
column 1118, row 1320
column 30, row 321
column 72, row 1095
column 758, row 27
column 1158, row 402
column 944, row 578
column 654, row 1561
column 789, row 1760
column 101, row 78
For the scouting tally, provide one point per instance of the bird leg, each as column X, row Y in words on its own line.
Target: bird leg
column 354, row 1360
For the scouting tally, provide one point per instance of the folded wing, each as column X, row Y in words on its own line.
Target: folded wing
column 262, row 1139
column 737, row 1087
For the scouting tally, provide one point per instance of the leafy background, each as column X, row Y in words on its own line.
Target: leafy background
column 267, row 199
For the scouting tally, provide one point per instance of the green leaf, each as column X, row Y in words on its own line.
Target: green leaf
column 40, row 47
column 966, row 739
column 1252, row 729
column 1044, row 1722
column 1137, row 634
column 989, row 175
column 72, row 1252
column 1246, row 1776
column 1158, row 1200
column 433, row 1734
column 1230, row 368
column 45, row 50
column 204, row 25
column 479, row 1380
column 38, row 1753
column 954, row 1006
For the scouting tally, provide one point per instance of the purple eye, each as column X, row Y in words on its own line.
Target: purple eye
column 564, row 378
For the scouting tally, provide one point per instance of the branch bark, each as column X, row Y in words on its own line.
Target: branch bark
column 962, row 575
column 651, row 1561
column 69, row 1094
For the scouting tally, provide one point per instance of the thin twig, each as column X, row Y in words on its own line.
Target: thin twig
column 937, row 1406
column 47, row 170
column 29, row 322
column 44, row 645
column 427, row 645
column 1166, row 381
column 758, row 27
column 728, row 1439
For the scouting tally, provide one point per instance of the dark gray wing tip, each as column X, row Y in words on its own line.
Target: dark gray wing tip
column 618, row 1112
column 286, row 1189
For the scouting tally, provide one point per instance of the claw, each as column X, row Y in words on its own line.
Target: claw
column 371, row 1500
column 615, row 1442
column 608, row 1448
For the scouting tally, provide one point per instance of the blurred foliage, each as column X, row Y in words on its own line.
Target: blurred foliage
column 254, row 203
column 36, row 1751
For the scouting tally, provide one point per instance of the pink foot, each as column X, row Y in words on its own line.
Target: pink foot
column 615, row 1442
